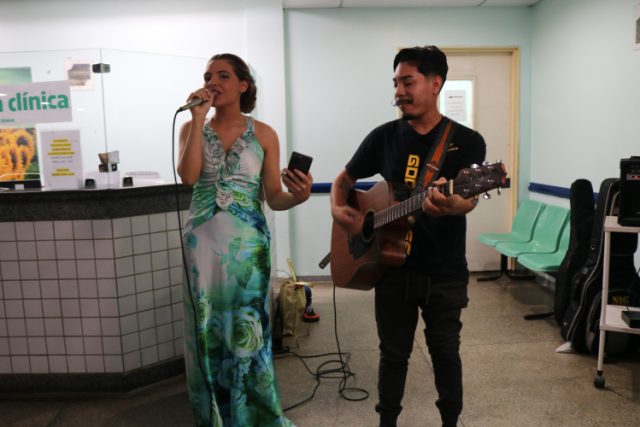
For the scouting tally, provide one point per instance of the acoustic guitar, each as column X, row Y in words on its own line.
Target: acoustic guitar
column 358, row 261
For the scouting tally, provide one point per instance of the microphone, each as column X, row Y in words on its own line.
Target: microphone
column 193, row 103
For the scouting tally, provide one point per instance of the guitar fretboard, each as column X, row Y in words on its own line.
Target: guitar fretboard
column 414, row 203
column 397, row 211
column 477, row 181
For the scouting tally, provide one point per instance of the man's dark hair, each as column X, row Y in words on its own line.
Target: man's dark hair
column 429, row 60
column 248, row 98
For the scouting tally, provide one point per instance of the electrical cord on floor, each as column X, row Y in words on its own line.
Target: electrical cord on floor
column 343, row 370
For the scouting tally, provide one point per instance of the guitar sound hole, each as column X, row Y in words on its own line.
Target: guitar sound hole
column 367, row 227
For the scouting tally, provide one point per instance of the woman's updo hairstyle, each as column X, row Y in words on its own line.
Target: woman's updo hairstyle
column 241, row 69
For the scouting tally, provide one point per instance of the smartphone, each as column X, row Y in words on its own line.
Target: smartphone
column 300, row 161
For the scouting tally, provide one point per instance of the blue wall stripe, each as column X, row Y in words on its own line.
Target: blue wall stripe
column 325, row 187
column 551, row 190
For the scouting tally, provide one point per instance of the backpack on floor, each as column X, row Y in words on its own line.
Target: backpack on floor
column 292, row 301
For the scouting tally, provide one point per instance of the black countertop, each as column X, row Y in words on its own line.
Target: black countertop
column 42, row 205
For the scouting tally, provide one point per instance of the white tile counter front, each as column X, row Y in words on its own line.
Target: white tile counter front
column 90, row 296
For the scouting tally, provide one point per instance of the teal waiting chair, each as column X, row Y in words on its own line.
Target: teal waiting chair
column 548, row 263
column 546, row 234
column 522, row 227
column 521, row 231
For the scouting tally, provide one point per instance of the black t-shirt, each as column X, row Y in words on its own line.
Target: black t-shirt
column 397, row 152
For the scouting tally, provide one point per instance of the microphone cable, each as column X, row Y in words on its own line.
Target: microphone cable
column 198, row 351
column 343, row 370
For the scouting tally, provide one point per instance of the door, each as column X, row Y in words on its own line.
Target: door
column 481, row 92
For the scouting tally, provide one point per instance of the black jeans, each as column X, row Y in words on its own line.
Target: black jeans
column 399, row 295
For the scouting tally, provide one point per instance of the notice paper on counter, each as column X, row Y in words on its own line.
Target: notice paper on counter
column 61, row 159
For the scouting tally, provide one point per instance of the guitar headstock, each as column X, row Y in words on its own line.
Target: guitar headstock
column 479, row 179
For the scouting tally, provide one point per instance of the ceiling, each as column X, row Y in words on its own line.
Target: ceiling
column 294, row 4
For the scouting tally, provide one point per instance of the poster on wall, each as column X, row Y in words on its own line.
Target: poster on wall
column 18, row 145
column 455, row 105
column 61, row 159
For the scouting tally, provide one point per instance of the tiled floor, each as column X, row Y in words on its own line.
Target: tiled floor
column 512, row 375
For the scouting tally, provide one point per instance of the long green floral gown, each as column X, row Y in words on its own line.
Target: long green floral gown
column 228, row 355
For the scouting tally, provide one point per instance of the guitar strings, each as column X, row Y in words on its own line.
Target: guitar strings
column 392, row 213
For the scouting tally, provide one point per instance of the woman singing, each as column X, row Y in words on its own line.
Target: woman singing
column 231, row 160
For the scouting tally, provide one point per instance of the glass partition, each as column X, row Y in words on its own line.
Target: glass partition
column 141, row 94
column 128, row 109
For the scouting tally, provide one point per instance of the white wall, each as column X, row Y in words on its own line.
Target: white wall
column 339, row 71
column 151, row 72
column 187, row 27
column 585, row 90
column 252, row 29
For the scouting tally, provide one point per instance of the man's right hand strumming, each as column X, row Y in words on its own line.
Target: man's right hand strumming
column 347, row 217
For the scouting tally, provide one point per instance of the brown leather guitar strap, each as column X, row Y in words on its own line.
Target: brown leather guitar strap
column 437, row 153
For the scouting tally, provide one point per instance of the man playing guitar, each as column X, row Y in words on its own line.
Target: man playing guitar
column 434, row 276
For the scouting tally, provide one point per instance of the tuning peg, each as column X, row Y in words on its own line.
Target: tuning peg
column 474, row 166
column 486, row 196
column 485, row 163
column 499, row 191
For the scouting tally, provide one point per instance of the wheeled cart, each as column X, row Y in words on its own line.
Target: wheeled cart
column 610, row 315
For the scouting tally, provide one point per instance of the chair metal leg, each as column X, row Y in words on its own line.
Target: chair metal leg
column 489, row 278
column 538, row 316
column 519, row 276
column 511, row 274
column 503, row 269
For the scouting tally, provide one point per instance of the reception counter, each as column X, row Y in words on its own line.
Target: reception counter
column 90, row 289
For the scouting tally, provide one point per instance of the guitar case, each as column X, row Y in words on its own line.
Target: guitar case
column 582, row 209
column 580, row 323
